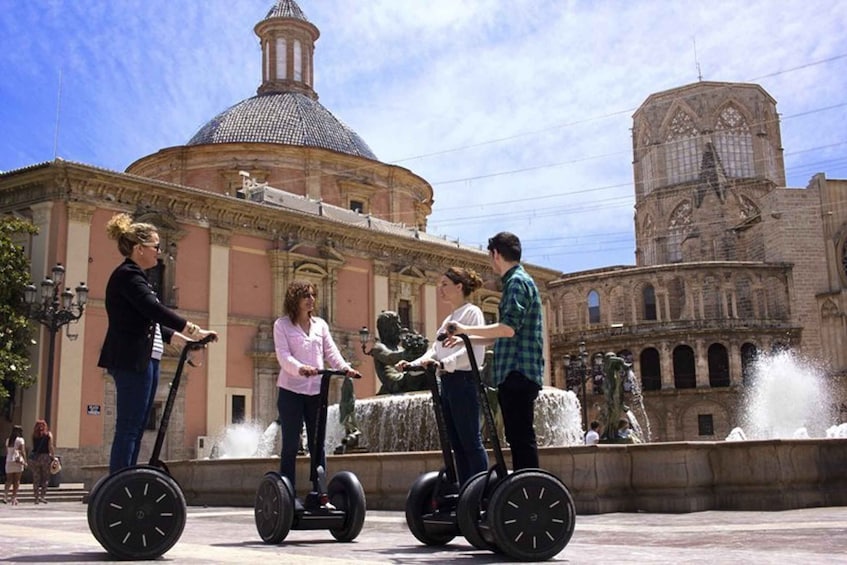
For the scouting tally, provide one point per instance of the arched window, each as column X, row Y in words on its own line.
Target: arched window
column 684, row 368
column 748, row 363
column 651, row 369
column 649, row 296
column 678, row 228
column 718, row 366
column 682, row 153
column 593, row 307
column 298, row 61
column 281, row 59
column 734, row 143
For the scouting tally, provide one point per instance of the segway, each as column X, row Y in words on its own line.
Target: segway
column 138, row 513
column 528, row 515
column 338, row 506
column 433, row 497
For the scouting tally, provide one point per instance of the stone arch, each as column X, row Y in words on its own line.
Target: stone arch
column 684, row 367
column 617, row 304
column 649, row 363
column 744, row 299
column 718, row 358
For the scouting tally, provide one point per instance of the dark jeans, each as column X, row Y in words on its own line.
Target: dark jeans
column 294, row 409
column 135, row 394
column 460, row 399
column 516, row 395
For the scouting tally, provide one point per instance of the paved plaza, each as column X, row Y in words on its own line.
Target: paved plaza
column 58, row 533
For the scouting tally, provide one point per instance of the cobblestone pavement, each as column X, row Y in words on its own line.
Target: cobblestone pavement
column 58, row 533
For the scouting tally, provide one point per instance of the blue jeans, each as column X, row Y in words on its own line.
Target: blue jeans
column 294, row 409
column 135, row 394
column 460, row 400
column 516, row 395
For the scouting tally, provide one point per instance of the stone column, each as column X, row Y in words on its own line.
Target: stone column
column 666, row 364
column 701, row 363
column 218, row 317
column 67, row 382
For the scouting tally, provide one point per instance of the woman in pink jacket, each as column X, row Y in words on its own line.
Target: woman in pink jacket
column 303, row 344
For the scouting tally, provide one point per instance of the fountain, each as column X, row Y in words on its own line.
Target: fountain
column 788, row 399
column 400, row 422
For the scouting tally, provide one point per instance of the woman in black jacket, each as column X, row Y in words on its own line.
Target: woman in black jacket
column 134, row 311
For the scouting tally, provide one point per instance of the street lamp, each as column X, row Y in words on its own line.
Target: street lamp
column 576, row 373
column 364, row 338
column 54, row 309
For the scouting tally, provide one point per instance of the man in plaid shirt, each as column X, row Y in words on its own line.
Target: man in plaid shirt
column 518, row 348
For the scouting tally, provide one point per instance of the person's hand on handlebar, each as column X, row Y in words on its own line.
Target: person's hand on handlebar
column 354, row 374
column 454, row 328
column 307, row 371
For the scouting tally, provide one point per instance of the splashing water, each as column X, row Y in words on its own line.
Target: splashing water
column 246, row 439
column 788, row 399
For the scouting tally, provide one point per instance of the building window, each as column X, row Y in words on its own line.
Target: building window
column 651, row 369
column 281, row 59
column 684, row 367
column 404, row 311
column 705, row 425
column 357, row 206
column 682, row 150
column 734, row 143
column 239, row 408
column 718, row 366
column 593, row 307
column 649, row 303
column 298, row 61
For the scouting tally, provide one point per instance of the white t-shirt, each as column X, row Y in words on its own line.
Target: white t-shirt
column 592, row 438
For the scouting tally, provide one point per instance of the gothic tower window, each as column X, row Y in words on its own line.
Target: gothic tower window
column 682, row 154
column 298, row 61
column 734, row 143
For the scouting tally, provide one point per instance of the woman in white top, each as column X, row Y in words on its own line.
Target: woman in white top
column 15, row 463
column 459, row 391
column 303, row 343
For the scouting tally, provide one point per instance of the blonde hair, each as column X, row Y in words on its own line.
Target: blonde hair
column 127, row 233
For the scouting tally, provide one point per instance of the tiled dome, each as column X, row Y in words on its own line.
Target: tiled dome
column 289, row 118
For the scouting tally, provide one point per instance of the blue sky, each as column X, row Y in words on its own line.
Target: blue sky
column 517, row 112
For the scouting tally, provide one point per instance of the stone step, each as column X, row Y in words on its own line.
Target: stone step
column 74, row 492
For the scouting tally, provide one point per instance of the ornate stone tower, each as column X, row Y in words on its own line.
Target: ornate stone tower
column 704, row 156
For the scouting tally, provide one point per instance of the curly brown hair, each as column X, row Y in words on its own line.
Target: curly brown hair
column 468, row 278
column 296, row 291
column 127, row 233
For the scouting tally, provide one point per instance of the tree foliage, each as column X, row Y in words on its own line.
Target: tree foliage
column 15, row 332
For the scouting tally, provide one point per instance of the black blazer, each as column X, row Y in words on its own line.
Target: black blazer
column 133, row 311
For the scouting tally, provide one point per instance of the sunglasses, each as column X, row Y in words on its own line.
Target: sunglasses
column 155, row 246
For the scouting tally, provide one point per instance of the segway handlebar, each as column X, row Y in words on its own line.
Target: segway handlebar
column 334, row 372
column 201, row 343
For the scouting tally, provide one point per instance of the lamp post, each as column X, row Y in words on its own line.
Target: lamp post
column 577, row 371
column 54, row 309
column 364, row 338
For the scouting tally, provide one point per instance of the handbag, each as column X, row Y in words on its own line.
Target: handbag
column 17, row 457
column 55, row 466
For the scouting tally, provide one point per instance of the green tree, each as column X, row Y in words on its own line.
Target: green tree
column 15, row 332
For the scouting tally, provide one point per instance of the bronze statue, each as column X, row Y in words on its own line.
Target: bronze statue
column 615, row 416
column 347, row 418
column 396, row 344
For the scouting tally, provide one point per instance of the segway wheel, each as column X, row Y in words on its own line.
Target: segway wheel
column 468, row 511
column 532, row 515
column 139, row 513
column 274, row 508
column 346, row 493
column 421, row 501
column 93, row 509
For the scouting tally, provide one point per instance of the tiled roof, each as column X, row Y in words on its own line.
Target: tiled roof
column 287, row 118
column 286, row 9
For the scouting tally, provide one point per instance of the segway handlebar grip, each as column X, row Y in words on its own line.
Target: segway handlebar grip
column 200, row 343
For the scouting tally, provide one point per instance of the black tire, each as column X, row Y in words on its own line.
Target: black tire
column 139, row 513
column 274, row 508
column 468, row 510
column 420, row 501
column 532, row 515
column 346, row 493
column 92, row 508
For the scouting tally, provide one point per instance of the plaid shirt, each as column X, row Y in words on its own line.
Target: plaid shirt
column 520, row 309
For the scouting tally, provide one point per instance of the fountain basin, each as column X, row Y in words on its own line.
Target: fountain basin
column 760, row 475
